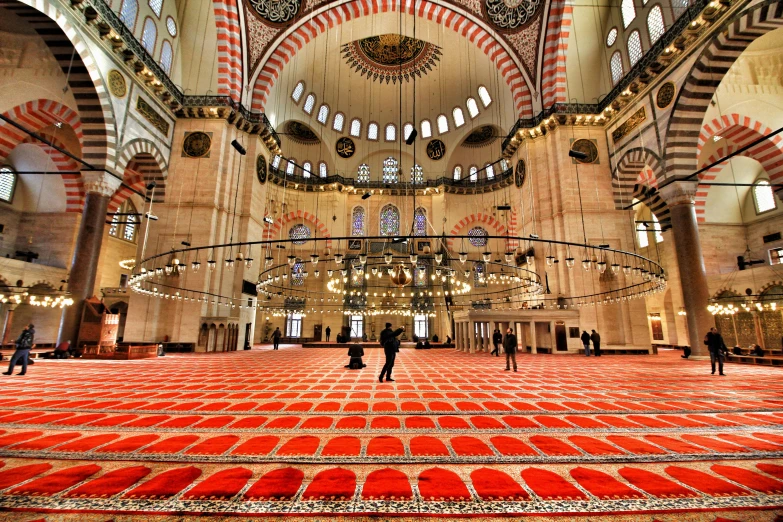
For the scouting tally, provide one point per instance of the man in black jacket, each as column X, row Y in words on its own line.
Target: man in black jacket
column 390, row 347
column 717, row 348
column 596, row 343
column 328, row 333
column 24, row 343
column 510, row 347
column 586, row 342
column 497, row 339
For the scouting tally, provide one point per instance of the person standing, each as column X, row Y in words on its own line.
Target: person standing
column 390, row 348
column 717, row 348
column 596, row 338
column 510, row 347
column 276, row 335
column 328, row 333
column 497, row 340
column 586, row 342
column 23, row 345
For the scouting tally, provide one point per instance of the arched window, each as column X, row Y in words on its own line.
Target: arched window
column 166, row 56
column 763, row 197
column 171, row 26
column 323, row 171
column 473, row 109
column 417, row 176
column 459, row 118
column 391, row 171
column 276, row 161
column 420, row 277
column 390, row 221
column 309, row 103
column 406, row 130
column 356, row 127
column 128, row 12
column 490, row 170
column 299, row 234
column 473, row 173
column 426, row 129
column 634, row 47
column 297, row 274
column 484, row 96
column 338, row 122
column 363, row 174
column 629, row 12
column 420, row 222
column 124, row 221
column 149, row 35
column 357, row 222
column 7, row 184
column 289, row 168
column 443, row 124
column 478, row 275
column 298, row 92
column 641, row 236
column 157, row 6
column 307, row 169
column 503, row 165
column 372, row 131
column 323, row 114
column 477, row 237
column 457, row 173
column 657, row 229
column 611, row 38
column 655, row 25
column 391, row 132
column 616, row 65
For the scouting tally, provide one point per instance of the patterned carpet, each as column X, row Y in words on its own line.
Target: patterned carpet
column 291, row 432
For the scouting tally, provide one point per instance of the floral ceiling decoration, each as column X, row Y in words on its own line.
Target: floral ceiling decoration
column 391, row 57
column 511, row 15
column 300, row 133
column 480, row 137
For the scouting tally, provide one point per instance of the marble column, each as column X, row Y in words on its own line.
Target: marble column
column 471, row 336
column 8, row 335
column 99, row 187
column 457, row 336
column 533, row 345
column 693, row 277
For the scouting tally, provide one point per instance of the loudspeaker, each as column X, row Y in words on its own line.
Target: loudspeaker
column 411, row 137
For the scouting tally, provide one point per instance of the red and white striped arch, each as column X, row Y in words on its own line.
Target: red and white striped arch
column 486, row 221
column 229, row 48
column 273, row 231
column 74, row 188
column 553, row 65
column 444, row 14
column 140, row 162
column 737, row 131
column 36, row 115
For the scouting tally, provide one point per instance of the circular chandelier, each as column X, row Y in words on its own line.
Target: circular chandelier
column 43, row 300
column 394, row 281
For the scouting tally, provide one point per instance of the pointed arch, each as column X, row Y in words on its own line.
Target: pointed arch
column 272, row 231
column 626, row 175
column 462, row 226
column 74, row 188
column 140, row 162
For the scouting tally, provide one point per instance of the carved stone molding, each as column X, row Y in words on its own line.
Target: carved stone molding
column 101, row 183
column 679, row 193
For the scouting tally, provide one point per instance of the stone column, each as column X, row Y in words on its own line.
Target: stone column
column 533, row 345
column 471, row 336
column 457, row 339
column 8, row 325
column 693, row 277
column 99, row 187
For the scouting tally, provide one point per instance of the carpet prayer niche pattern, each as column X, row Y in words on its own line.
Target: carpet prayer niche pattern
column 291, row 432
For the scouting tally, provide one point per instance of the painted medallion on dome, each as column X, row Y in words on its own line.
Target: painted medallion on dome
column 300, row 133
column 391, row 57
column 511, row 15
column 482, row 136
column 276, row 11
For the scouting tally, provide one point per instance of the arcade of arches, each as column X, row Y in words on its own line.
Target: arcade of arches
column 184, row 178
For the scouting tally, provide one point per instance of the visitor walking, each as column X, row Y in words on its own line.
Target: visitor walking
column 596, row 343
column 497, row 340
column 510, row 347
column 586, row 342
column 328, row 333
column 23, row 345
column 717, row 348
column 390, row 348
column 276, row 335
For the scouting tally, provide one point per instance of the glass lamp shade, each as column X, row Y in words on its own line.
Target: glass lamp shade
column 314, row 259
column 627, row 270
column 159, row 271
column 169, row 268
column 550, row 260
column 486, row 256
column 414, row 258
column 229, row 264
column 329, row 273
column 195, row 265
column 463, row 257
column 248, row 262
column 344, row 271
column 615, row 268
column 181, row 267
column 601, row 267
column 586, row 264
column 390, row 270
column 211, row 265
column 388, row 258
column 362, row 258
column 338, row 258
column 291, row 261
column 529, row 260
column 466, row 274
column 285, row 276
column 569, row 262
column 509, row 257
column 268, row 261
column 374, row 270
column 439, row 258
column 438, row 271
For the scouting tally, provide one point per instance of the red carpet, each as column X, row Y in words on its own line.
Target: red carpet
column 262, row 433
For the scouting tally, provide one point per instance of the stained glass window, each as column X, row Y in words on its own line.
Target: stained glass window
column 357, row 222
column 479, row 273
column 171, row 26
column 473, row 109
column 634, row 48
column 339, row 121
column 457, row 173
column 289, row 168
column 7, row 184
column 417, row 175
column 149, row 35
column 299, row 234
column 390, row 221
column 114, row 227
column 484, row 96
column 157, row 6
column 503, row 164
column 297, row 274
column 490, row 170
column 477, row 237
column 420, row 222
column 276, row 161
column 129, row 233
column 616, row 64
column 357, row 279
column 322, row 169
column 611, row 38
column 124, row 221
column 298, row 92
column 474, row 173
column 307, row 169
column 426, row 129
column 363, row 174
column 459, row 118
column 128, row 12
column 629, row 12
column 655, row 25
column 323, row 114
column 420, row 275
column 166, row 57
column 309, row 103
column 391, row 171
column 443, row 124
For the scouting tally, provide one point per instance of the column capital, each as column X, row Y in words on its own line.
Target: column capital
column 101, row 183
column 680, row 193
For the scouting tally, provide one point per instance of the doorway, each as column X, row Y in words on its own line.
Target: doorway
column 561, row 340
